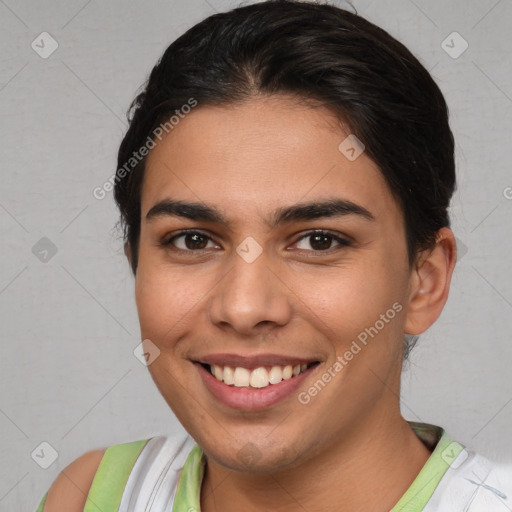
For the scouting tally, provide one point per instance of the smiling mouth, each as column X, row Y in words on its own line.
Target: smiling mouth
column 257, row 378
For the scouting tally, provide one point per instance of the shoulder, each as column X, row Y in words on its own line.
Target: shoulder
column 68, row 492
column 109, row 476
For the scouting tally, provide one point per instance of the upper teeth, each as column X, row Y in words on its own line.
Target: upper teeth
column 257, row 378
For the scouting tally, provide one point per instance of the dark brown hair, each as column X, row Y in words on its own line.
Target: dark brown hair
column 316, row 52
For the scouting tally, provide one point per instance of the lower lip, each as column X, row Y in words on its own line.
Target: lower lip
column 252, row 399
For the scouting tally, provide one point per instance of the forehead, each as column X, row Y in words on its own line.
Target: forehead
column 253, row 157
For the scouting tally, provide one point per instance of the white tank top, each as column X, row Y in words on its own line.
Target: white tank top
column 471, row 484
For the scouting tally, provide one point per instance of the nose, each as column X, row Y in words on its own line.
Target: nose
column 251, row 298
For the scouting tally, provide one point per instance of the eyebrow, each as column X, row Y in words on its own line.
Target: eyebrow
column 297, row 212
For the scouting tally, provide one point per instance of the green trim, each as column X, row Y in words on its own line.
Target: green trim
column 41, row 505
column 110, row 480
column 188, row 491
column 117, row 463
column 444, row 452
column 420, row 491
column 111, row 476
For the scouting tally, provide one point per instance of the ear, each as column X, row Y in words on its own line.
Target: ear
column 430, row 283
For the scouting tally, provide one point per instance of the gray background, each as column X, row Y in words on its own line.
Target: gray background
column 69, row 325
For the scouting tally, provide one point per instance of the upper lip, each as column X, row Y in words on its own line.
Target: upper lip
column 254, row 361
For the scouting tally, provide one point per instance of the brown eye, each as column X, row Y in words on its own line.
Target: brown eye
column 195, row 241
column 322, row 240
column 189, row 241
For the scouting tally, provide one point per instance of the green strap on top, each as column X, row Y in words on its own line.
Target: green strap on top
column 189, row 485
column 419, row 493
column 111, row 476
column 117, row 463
column 110, row 480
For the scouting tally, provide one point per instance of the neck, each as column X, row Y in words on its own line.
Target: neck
column 370, row 469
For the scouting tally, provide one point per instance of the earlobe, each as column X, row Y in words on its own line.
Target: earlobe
column 430, row 283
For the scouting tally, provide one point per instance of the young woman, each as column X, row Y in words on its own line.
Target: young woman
column 284, row 186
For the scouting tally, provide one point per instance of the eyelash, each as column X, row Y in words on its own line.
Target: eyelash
column 343, row 242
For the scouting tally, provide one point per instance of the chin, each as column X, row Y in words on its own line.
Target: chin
column 252, row 456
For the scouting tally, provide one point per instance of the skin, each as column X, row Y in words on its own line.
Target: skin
column 68, row 492
column 349, row 445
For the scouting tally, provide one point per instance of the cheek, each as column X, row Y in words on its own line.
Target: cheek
column 344, row 303
column 156, row 298
column 166, row 297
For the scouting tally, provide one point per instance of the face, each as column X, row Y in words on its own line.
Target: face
column 261, row 285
